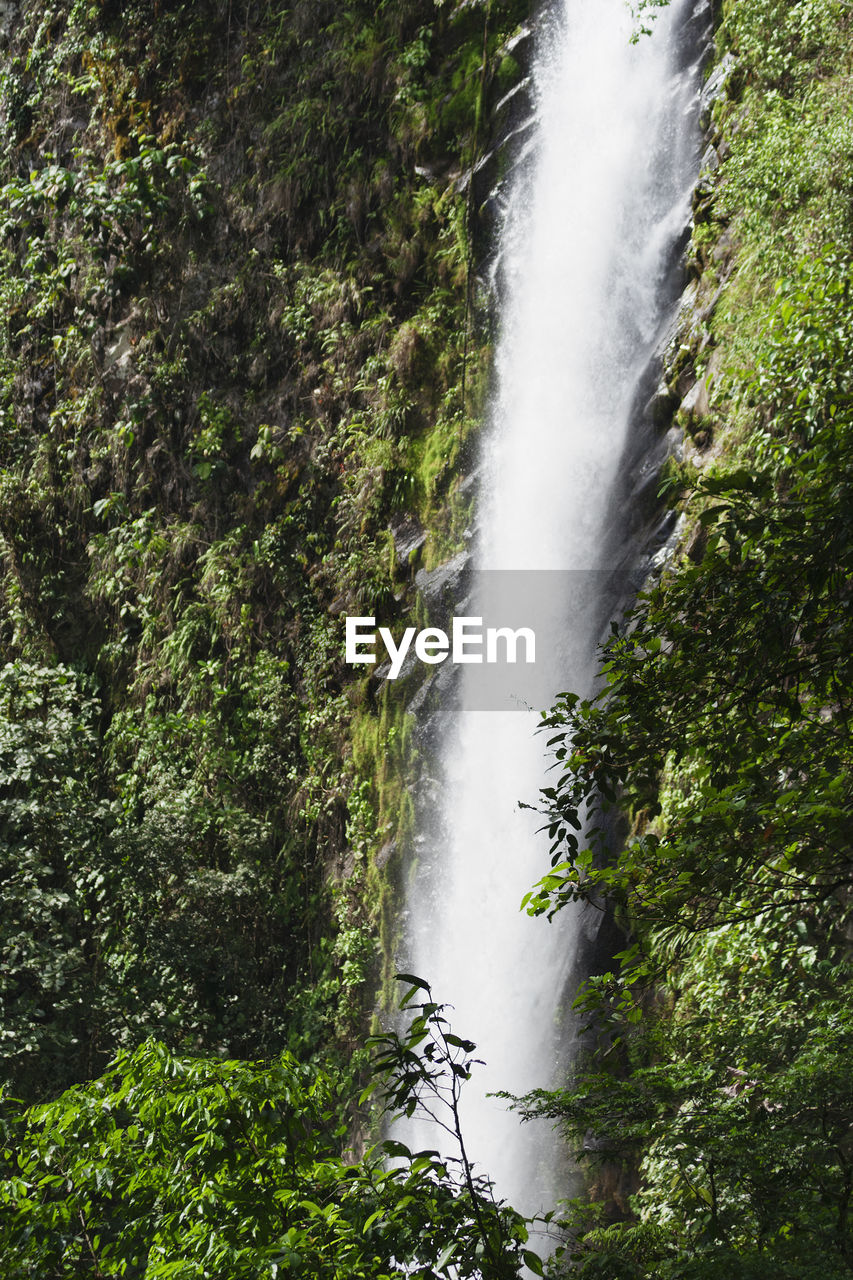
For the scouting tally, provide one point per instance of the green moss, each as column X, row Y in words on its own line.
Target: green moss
column 384, row 751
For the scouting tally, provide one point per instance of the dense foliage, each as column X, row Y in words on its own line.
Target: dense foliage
column 236, row 349
column 238, row 248
column 724, row 1069
column 170, row 1166
column 235, row 344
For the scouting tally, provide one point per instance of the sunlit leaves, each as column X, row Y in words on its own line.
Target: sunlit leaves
column 173, row 1165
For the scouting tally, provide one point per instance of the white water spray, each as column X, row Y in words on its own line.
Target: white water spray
column 586, row 252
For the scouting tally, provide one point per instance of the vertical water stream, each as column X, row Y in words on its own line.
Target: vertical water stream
column 587, row 249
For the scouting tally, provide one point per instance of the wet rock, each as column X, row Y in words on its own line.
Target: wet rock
column 385, row 854
column 696, row 403
column 468, row 482
column 117, row 357
column 710, row 161
column 684, row 320
column 643, row 497
column 715, row 87
column 661, row 406
column 409, row 667
column 443, row 587
column 416, row 705
column 409, row 538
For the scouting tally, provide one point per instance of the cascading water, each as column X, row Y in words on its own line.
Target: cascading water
column 587, row 250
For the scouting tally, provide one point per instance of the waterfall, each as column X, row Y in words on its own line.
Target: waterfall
column 590, row 239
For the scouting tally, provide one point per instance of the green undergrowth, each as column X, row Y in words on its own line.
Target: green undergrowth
column 785, row 190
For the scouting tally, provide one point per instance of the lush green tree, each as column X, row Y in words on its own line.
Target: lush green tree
column 115, row 926
column 171, row 1166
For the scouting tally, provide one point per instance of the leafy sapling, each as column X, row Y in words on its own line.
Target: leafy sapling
column 420, row 1072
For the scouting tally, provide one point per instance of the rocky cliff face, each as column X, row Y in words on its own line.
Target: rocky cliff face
column 237, row 344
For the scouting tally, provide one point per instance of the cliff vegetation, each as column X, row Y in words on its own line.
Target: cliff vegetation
column 242, row 358
column 714, row 1109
